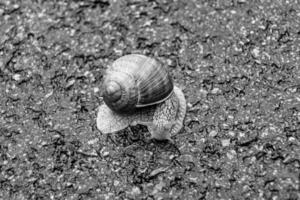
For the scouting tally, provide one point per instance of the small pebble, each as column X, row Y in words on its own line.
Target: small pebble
column 256, row 52
column 96, row 89
column 231, row 133
column 135, row 191
column 158, row 187
column 225, row 142
column 158, row 171
column 213, row 133
column 231, row 154
column 215, row 90
column 16, row 77
column 116, row 183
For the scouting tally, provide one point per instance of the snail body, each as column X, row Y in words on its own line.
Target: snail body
column 138, row 90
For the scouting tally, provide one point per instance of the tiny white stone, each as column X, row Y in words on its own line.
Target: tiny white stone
column 225, row 142
column 49, row 94
column 231, row 154
column 86, row 73
column 256, row 52
column 213, row 133
column 241, row 135
column 291, row 139
column 135, row 191
column 93, row 141
column 105, row 153
column 116, row 183
column 96, row 89
column 17, row 77
column 215, row 90
column 231, row 133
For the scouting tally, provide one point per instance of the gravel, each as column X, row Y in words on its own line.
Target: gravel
column 237, row 62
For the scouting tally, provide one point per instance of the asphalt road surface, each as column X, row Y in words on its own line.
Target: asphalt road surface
column 236, row 60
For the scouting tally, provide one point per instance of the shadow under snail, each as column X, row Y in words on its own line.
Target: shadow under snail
column 138, row 90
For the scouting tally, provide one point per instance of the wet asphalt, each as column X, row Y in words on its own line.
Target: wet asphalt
column 236, row 61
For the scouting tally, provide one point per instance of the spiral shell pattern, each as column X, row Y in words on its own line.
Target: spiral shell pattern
column 134, row 81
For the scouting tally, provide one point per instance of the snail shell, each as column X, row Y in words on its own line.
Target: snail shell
column 134, row 81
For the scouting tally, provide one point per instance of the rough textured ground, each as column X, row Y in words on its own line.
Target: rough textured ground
column 237, row 62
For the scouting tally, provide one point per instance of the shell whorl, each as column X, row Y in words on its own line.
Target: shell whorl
column 117, row 95
column 135, row 81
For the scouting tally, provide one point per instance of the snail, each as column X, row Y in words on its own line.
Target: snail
column 138, row 90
